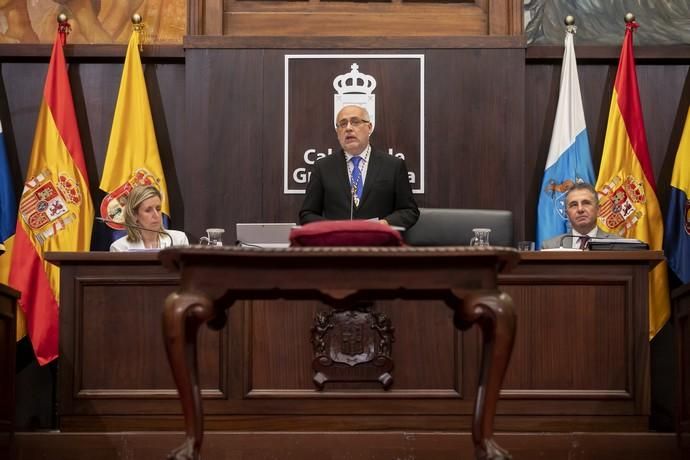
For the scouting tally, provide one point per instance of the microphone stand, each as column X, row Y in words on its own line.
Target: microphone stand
column 160, row 232
column 570, row 235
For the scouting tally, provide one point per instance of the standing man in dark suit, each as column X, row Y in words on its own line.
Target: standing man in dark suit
column 582, row 207
column 359, row 182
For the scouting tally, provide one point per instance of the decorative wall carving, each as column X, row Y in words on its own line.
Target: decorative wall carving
column 352, row 346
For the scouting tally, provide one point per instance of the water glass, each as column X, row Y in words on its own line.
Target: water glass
column 214, row 237
column 481, row 237
column 525, row 246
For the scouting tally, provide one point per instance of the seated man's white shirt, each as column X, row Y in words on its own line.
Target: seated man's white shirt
column 575, row 244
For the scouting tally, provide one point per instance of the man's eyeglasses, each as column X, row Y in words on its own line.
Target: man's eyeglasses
column 354, row 121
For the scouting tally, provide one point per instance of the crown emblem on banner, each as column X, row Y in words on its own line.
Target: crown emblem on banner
column 354, row 82
column 355, row 88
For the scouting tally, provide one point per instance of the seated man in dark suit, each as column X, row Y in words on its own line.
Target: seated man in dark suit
column 359, row 182
column 582, row 206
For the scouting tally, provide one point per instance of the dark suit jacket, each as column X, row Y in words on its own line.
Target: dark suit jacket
column 387, row 193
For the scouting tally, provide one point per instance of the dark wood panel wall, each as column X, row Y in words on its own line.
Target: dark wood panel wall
column 239, row 149
column 218, row 114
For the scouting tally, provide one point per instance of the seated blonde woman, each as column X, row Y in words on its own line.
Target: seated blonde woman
column 144, row 222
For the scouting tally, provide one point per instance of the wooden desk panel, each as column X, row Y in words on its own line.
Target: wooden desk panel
column 8, row 340
column 279, row 370
column 581, row 357
column 582, row 345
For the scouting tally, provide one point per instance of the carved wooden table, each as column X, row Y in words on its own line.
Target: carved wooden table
column 213, row 278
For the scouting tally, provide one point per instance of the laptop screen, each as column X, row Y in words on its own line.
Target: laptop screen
column 265, row 235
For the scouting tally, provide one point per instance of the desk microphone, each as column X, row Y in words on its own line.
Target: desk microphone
column 160, row 232
column 569, row 235
column 353, row 193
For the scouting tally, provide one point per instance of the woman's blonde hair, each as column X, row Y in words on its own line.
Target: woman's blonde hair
column 137, row 196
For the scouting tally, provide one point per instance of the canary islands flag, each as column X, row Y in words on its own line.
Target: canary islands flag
column 55, row 208
column 628, row 205
column 132, row 157
column 677, row 237
column 569, row 160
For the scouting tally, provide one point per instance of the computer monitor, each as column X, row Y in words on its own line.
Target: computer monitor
column 264, row 235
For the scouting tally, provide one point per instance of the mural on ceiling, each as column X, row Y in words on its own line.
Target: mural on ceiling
column 93, row 21
column 600, row 22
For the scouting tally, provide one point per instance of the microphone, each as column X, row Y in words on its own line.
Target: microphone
column 353, row 193
column 160, row 232
column 570, row 235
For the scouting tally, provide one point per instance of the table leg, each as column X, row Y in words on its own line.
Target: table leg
column 494, row 314
column 182, row 316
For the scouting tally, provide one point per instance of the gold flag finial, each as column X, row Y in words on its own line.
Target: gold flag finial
column 138, row 25
column 64, row 27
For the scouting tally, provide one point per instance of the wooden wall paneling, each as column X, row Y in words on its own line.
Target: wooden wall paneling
column 325, row 18
column 165, row 83
column 110, row 362
column 505, row 17
column 474, row 132
column 24, row 86
column 279, row 207
column 205, row 17
column 277, row 370
column 94, row 89
column 397, row 18
column 603, row 366
column 594, row 343
column 470, row 97
column 225, row 141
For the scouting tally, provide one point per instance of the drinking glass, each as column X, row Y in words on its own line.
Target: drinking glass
column 214, row 237
column 525, row 246
column 481, row 237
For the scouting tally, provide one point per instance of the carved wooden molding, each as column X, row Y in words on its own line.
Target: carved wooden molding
column 384, row 18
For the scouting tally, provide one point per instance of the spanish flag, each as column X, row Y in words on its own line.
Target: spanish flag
column 626, row 186
column 132, row 157
column 55, row 208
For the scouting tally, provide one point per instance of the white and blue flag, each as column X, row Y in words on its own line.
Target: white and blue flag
column 569, row 160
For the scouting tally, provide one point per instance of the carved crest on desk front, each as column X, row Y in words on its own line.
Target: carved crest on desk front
column 352, row 338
